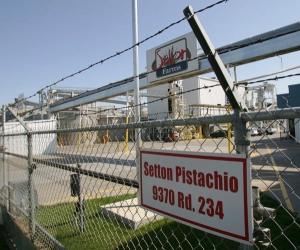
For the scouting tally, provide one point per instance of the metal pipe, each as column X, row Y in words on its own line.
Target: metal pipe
column 136, row 78
column 286, row 113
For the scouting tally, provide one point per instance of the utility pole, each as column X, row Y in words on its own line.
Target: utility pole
column 136, row 79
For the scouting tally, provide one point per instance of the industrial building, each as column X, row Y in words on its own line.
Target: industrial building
column 171, row 88
column 290, row 100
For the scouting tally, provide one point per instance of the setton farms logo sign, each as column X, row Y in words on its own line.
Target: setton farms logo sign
column 171, row 58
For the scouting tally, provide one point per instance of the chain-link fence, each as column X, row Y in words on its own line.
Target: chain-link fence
column 73, row 182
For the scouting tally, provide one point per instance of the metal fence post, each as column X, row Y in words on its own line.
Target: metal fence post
column 240, row 129
column 11, row 195
column 80, row 204
column 241, row 134
column 5, row 181
column 31, row 187
column 76, row 190
column 3, row 145
column 242, row 142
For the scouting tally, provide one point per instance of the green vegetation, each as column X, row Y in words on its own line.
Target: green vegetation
column 105, row 233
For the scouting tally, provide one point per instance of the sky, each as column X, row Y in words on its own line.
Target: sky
column 43, row 41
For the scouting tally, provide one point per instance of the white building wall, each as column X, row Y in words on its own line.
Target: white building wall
column 41, row 143
column 214, row 95
column 193, row 95
column 157, row 109
column 197, row 90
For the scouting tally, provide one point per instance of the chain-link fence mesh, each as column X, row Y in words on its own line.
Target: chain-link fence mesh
column 72, row 182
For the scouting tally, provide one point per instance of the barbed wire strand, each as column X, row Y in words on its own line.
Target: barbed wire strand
column 118, row 53
column 172, row 95
column 276, row 78
column 200, row 57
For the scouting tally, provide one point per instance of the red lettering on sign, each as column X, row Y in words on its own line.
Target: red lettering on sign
column 171, row 57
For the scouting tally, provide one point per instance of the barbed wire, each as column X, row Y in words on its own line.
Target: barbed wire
column 260, row 40
column 118, row 53
column 200, row 57
column 276, row 78
column 80, row 112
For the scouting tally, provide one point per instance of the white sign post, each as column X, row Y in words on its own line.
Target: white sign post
column 210, row 192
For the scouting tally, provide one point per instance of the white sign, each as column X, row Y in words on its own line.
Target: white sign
column 210, row 192
column 172, row 58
